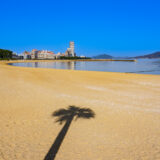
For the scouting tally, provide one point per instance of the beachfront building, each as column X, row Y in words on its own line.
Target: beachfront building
column 39, row 54
column 34, row 54
column 70, row 51
column 82, row 56
column 26, row 55
column 44, row 54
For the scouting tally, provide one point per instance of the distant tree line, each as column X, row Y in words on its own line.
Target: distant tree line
column 70, row 58
column 5, row 54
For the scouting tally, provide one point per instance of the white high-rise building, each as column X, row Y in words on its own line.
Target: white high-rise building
column 72, row 48
column 70, row 51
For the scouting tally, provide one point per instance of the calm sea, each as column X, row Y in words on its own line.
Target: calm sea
column 142, row 66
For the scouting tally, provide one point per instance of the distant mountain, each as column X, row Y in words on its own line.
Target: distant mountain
column 153, row 55
column 106, row 56
column 102, row 56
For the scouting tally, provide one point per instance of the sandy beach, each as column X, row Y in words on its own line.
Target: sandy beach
column 127, row 114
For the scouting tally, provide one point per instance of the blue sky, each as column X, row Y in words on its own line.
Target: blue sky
column 115, row 27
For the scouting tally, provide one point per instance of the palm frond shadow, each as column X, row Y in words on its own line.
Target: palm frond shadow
column 66, row 115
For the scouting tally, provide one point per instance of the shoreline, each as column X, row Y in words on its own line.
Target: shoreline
column 124, row 60
column 32, row 61
column 126, row 125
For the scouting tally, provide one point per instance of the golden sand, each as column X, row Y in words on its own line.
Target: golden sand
column 127, row 108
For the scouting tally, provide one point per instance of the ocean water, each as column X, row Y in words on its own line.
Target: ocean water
column 142, row 66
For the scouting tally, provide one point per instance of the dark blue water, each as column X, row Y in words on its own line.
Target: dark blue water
column 142, row 66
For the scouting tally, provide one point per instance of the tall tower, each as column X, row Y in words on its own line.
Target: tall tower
column 72, row 48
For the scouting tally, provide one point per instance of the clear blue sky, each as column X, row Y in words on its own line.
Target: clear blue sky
column 115, row 27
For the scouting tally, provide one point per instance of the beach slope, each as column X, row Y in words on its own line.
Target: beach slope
column 126, row 125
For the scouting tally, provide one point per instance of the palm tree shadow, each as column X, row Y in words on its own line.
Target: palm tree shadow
column 66, row 115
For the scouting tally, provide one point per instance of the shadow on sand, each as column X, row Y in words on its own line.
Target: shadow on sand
column 66, row 115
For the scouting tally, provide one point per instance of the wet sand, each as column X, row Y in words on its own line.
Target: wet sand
column 126, row 125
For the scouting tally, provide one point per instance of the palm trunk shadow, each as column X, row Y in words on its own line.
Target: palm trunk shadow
column 58, row 141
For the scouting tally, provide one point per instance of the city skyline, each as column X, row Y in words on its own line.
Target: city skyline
column 46, row 54
column 117, row 28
